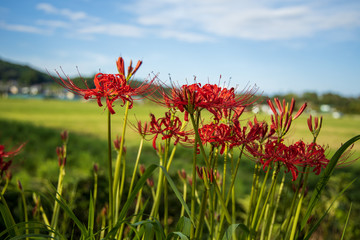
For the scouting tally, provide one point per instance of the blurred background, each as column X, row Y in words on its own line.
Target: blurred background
column 309, row 50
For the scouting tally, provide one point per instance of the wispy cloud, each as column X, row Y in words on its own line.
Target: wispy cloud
column 72, row 15
column 21, row 28
column 257, row 20
column 201, row 20
column 113, row 29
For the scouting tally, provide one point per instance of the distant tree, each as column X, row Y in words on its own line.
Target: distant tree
column 312, row 99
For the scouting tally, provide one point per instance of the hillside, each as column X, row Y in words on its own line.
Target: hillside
column 22, row 74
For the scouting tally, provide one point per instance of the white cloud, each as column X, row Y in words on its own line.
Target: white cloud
column 184, row 36
column 21, row 28
column 72, row 15
column 113, row 29
column 260, row 20
column 53, row 23
column 202, row 20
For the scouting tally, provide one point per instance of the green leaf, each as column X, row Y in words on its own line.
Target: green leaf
column 316, row 225
column 325, row 178
column 91, row 216
column 232, row 228
column 184, row 225
column 177, row 193
column 71, row 214
column 178, row 234
column 8, row 218
column 346, row 222
column 140, row 183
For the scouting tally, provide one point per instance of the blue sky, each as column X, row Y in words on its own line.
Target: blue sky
column 279, row 45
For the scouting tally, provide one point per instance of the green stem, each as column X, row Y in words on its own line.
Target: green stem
column 271, row 190
column 159, row 189
column 55, row 216
column 224, row 174
column 5, row 186
column 136, row 167
column 276, row 206
column 95, row 188
column 259, row 198
column 297, row 214
column 193, row 190
column 25, row 212
column 253, row 194
column 293, row 202
column 118, row 160
column 184, row 196
column 111, row 205
column 201, row 214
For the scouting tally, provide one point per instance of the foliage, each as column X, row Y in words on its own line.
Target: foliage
column 116, row 205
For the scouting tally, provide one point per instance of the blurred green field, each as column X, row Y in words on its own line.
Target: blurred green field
column 88, row 118
column 39, row 123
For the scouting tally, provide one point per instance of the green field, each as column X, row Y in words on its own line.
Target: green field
column 39, row 123
column 88, row 118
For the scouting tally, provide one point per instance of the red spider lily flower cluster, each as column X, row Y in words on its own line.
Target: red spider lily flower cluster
column 169, row 126
column 282, row 117
column 194, row 97
column 217, row 134
column 293, row 157
column 110, row 86
column 234, row 135
column 4, row 165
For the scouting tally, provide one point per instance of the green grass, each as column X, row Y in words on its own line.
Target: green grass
column 89, row 118
column 39, row 123
column 75, row 116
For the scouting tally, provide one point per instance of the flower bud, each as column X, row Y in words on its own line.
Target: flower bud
column 96, row 168
column 117, row 142
column 182, row 174
column 150, row 182
column 19, row 185
column 64, row 136
column 142, row 169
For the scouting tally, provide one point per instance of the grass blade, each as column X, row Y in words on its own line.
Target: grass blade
column 177, row 193
column 325, row 178
column 346, row 223
column 316, row 225
column 232, row 228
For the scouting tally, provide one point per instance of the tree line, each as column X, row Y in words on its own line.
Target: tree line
column 26, row 76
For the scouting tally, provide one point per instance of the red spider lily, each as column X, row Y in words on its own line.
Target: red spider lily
column 293, row 156
column 347, row 158
column 317, row 125
column 4, row 165
column 142, row 128
column 217, row 134
column 275, row 151
column 131, row 70
column 247, row 134
column 194, row 97
column 169, row 126
column 110, row 86
column 282, row 117
column 263, row 130
column 221, row 99
column 313, row 155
